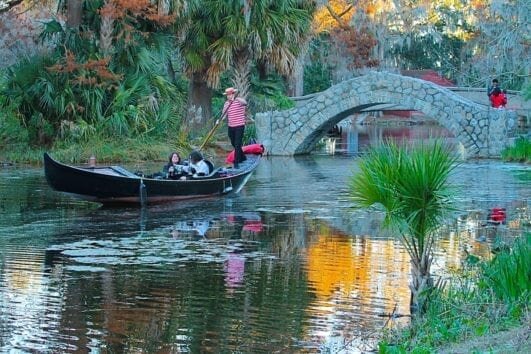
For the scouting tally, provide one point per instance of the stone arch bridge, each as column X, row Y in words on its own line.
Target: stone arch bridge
column 482, row 131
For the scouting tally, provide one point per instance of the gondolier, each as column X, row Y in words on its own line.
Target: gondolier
column 234, row 109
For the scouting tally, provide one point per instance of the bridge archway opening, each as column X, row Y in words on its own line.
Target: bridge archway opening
column 314, row 137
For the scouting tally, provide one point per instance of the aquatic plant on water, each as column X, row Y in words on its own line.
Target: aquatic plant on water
column 411, row 184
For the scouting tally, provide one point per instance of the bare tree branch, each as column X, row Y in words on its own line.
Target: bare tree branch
column 337, row 17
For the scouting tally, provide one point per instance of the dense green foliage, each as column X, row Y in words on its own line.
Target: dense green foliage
column 12, row 133
column 520, row 151
column 508, row 275
column 485, row 298
column 317, row 78
column 82, row 88
column 268, row 94
column 318, row 70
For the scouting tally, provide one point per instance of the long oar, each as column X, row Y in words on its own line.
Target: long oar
column 218, row 123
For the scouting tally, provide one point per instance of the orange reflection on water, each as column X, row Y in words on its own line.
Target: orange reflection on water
column 24, row 274
column 366, row 277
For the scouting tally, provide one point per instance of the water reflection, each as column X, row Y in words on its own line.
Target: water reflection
column 354, row 138
column 286, row 266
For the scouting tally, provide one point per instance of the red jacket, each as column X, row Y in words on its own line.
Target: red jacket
column 498, row 101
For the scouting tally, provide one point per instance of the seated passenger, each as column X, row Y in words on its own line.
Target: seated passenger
column 198, row 167
column 174, row 168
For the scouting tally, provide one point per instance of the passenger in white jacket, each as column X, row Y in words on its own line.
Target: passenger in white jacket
column 198, row 167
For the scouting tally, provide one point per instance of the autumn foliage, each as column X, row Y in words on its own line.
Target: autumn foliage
column 141, row 9
column 102, row 74
column 93, row 72
column 356, row 44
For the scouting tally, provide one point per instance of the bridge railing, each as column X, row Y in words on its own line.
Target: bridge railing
column 523, row 108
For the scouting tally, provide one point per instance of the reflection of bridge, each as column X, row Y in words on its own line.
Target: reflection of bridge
column 481, row 130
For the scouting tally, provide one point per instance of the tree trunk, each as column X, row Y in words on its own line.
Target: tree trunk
column 421, row 283
column 199, row 104
column 261, row 66
column 295, row 80
column 242, row 74
column 74, row 13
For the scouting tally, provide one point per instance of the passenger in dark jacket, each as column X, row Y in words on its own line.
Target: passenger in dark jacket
column 174, row 169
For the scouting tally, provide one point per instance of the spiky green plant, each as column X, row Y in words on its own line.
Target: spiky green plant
column 411, row 184
column 508, row 275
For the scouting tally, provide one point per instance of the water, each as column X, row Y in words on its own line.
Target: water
column 286, row 266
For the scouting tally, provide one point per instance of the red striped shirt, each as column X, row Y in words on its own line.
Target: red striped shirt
column 235, row 113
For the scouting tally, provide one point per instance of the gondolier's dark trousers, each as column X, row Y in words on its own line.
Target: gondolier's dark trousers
column 236, row 137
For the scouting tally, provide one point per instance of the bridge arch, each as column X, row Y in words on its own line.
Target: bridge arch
column 482, row 131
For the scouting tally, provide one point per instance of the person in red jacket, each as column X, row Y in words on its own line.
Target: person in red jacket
column 498, row 98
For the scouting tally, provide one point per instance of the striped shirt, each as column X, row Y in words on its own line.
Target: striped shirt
column 235, row 113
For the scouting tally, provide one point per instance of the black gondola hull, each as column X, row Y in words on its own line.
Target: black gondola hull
column 115, row 185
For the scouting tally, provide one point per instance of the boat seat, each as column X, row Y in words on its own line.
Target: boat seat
column 124, row 172
column 210, row 167
column 214, row 173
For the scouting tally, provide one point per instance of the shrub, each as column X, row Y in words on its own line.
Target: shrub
column 83, row 88
column 521, row 151
column 12, row 133
column 508, row 275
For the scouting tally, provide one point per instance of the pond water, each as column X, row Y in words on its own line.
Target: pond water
column 285, row 266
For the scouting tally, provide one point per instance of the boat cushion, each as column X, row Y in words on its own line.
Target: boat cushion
column 256, row 149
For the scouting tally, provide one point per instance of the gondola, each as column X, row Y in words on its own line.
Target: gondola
column 117, row 185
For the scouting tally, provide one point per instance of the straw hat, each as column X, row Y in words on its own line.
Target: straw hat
column 230, row 90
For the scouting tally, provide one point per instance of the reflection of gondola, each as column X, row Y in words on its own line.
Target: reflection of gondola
column 191, row 228
column 251, row 222
column 114, row 184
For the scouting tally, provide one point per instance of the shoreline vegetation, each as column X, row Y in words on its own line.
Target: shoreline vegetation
column 482, row 296
column 483, row 308
column 141, row 149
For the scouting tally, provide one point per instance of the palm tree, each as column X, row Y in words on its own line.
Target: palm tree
column 218, row 35
column 411, row 184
